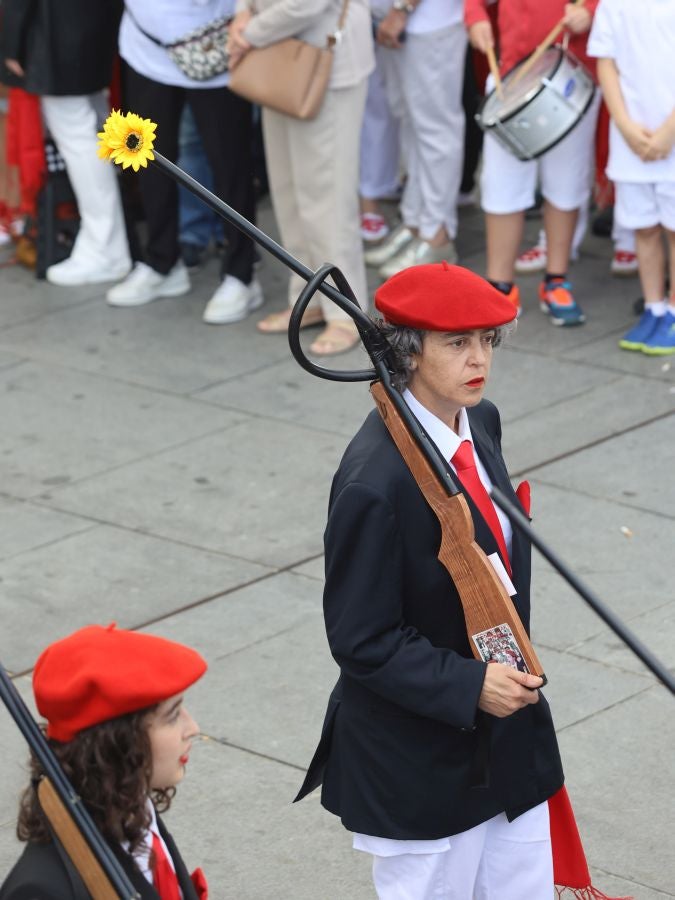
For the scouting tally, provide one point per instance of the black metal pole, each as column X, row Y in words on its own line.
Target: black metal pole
column 50, row 765
column 344, row 298
column 597, row 605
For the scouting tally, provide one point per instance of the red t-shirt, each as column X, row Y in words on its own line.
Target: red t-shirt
column 523, row 24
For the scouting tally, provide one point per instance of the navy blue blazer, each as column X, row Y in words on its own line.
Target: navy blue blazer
column 405, row 752
column 44, row 872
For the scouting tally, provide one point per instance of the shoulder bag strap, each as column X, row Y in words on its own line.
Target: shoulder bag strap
column 336, row 37
column 143, row 31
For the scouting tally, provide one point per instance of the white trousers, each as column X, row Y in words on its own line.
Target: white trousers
column 313, row 171
column 73, row 123
column 565, row 172
column 497, row 860
column 424, row 86
column 380, row 143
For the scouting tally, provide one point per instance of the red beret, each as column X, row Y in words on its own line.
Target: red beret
column 100, row 673
column 441, row 297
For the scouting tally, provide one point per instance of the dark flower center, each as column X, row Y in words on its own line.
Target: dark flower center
column 133, row 141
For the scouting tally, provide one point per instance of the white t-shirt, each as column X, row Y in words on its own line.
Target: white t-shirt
column 167, row 21
column 430, row 15
column 640, row 38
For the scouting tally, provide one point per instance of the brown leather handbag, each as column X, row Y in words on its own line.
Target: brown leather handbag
column 289, row 76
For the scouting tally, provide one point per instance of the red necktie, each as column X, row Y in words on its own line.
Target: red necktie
column 465, row 465
column 166, row 882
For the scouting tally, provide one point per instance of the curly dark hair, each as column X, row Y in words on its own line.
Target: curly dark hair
column 109, row 765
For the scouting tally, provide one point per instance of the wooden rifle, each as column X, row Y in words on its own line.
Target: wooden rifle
column 478, row 584
column 99, row 868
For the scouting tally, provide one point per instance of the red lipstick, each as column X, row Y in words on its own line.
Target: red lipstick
column 475, row 382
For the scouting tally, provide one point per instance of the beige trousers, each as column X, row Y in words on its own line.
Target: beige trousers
column 313, row 172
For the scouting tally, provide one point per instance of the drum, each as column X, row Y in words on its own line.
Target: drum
column 537, row 111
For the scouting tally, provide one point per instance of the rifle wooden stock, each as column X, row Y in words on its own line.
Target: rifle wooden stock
column 485, row 601
column 81, row 856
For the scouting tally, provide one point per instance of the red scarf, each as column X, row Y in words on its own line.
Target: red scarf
column 570, row 869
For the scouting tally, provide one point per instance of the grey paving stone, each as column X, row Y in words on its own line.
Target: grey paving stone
column 638, row 474
column 312, row 569
column 233, row 815
column 102, row 575
column 547, row 433
column 655, row 629
column 285, row 391
column 523, row 382
column 620, row 887
column 619, row 767
column 243, row 619
column 24, row 526
column 258, row 491
column 269, row 700
column 626, row 573
column 580, row 688
column 26, row 299
column 59, row 427
column 164, row 345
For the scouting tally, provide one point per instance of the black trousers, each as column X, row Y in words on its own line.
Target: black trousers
column 224, row 122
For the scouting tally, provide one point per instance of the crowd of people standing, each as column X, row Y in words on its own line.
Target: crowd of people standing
column 396, row 121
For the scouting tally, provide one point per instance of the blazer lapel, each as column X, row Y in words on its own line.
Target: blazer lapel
column 136, row 877
column 184, row 879
column 496, row 469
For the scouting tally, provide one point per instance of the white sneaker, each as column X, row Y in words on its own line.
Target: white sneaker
column 624, row 263
column 533, row 260
column 71, row 272
column 233, row 301
column 143, row 284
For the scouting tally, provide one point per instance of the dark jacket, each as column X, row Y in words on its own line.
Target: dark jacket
column 404, row 745
column 43, row 872
column 66, row 47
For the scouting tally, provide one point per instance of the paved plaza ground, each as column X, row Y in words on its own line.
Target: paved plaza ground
column 174, row 477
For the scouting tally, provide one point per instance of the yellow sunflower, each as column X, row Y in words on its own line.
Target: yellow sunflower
column 127, row 140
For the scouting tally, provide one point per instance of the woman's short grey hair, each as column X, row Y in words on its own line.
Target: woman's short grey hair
column 407, row 342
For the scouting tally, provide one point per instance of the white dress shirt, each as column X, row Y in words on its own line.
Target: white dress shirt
column 448, row 443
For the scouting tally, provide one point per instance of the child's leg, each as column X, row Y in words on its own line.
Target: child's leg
column 503, row 234
column 670, row 235
column 651, row 262
column 560, row 225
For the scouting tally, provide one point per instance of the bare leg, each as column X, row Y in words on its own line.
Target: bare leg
column 559, row 225
column 670, row 235
column 503, row 234
column 652, row 262
column 370, row 206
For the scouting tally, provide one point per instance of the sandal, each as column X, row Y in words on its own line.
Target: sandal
column 337, row 337
column 277, row 323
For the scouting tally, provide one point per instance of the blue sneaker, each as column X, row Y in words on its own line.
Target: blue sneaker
column 555, row 298
column 636, row 337
column 661, row 341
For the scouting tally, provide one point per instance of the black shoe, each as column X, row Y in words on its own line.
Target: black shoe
column 193, row 256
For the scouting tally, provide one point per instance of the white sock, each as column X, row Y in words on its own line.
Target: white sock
column 657, row 307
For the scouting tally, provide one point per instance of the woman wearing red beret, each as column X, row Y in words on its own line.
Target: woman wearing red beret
column 116, row 721
column 440, row 764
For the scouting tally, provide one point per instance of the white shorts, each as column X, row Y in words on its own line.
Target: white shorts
column 565, row 172
column 645, row 205
column 497, row 860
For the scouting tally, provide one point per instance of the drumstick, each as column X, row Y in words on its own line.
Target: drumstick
column 543, row 47
column 494, row 70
